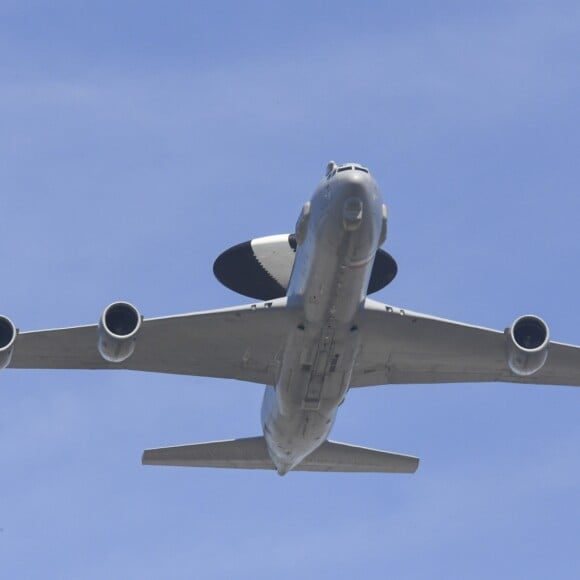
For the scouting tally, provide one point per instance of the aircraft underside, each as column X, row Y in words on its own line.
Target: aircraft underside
column 312, row 335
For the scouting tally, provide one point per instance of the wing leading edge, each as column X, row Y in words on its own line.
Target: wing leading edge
column 404, row 347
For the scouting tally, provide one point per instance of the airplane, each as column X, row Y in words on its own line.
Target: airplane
column 311, row 335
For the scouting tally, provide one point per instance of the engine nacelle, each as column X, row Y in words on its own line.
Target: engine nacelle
column 527, row 340
column 7, row 337
column 118, row 329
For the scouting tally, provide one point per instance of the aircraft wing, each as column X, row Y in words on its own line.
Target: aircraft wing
column 403, row 347
column 235, row 343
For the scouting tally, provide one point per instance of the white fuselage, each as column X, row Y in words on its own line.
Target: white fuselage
column 338, row 237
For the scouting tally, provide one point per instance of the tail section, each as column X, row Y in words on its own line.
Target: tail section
column 252, row 453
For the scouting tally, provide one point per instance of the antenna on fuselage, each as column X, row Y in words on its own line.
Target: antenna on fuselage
column 330, row 167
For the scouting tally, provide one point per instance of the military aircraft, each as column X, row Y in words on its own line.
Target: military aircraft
column 312, row 334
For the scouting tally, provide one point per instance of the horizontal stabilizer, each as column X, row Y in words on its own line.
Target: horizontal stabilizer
column 252, row 453
column 333, row 456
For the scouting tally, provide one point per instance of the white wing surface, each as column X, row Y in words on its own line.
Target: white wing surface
column 404, row 347
column 235, row 343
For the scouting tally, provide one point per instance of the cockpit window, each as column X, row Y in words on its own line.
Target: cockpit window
column 332, row 169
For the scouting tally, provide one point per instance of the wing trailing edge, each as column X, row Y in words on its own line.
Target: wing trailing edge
column 252, row 453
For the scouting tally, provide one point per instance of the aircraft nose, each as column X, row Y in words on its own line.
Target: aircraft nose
column 354, row 198
column 354, row 185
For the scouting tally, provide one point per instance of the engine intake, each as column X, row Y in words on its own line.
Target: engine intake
column 528, row 339
column 118, row 329
column 7, row 337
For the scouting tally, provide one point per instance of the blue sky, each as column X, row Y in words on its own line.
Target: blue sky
column 139, row 140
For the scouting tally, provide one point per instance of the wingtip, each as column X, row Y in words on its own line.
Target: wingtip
column 145, row 459
column 415, row 466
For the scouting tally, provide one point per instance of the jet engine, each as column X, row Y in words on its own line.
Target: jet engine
column 118, row 329
column 7, row 338
column 528, row 339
